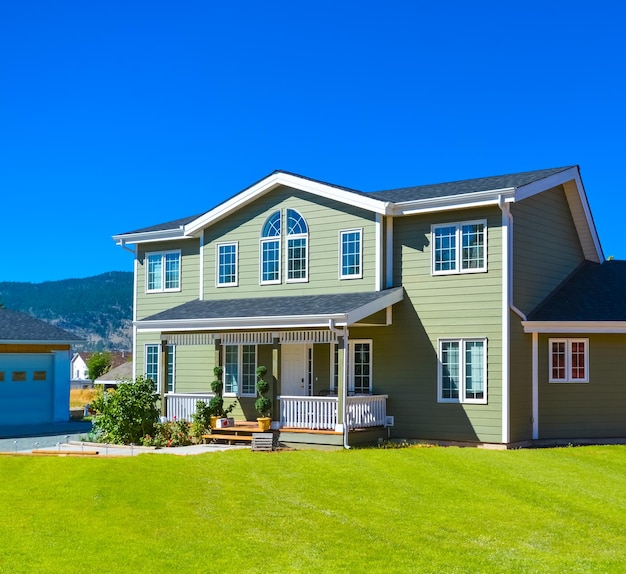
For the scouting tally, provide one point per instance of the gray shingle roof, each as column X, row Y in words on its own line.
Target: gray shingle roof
column 512, row 180
column 304, row 305
column 168, row 225
column 594, row 292
column 16, row 326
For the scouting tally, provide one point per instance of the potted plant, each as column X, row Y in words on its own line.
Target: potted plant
column 219, row 414
column 263, row 404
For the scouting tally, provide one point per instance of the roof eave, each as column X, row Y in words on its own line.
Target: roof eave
column 568, row 327
column 41, row 341
column 453, row 202
column 278, row 179
column 150, row 236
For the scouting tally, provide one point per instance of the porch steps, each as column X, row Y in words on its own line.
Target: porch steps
column 241, row 432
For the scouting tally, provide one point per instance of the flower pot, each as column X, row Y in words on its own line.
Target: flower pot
column 214, row 422
column 264, row 423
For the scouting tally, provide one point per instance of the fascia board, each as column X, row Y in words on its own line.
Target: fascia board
column 387, row 300
column 276, row 180
column 452, row 202
column 39, row 342
column 243, row 323
column 574, row 327
column 530, row 189
column 151, row 236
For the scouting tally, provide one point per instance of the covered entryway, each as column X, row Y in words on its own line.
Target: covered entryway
column 296, row 369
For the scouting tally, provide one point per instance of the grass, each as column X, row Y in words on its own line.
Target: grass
column 81, row 397
column 403, row 510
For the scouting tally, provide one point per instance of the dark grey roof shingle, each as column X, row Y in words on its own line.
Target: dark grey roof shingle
column 16, row 326
column 303, row 305
column 594, row 292
column 168, row 225
column 460, row 187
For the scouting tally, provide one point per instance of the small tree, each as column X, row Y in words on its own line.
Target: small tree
column 98, row 364
column 127, row 414
column 263, row 404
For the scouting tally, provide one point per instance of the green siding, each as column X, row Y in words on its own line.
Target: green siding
column 546, row 248
column 520, row 389
column 585, row 410
column 151, row 303
column 454, row 306
column 325, row 218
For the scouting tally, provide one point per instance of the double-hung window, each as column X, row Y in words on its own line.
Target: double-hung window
column 270, row 249
column 462, row 370
column 163, row 271
column 360, row 361
column 240, row 370
column 569, row 360
column 350, row 255
column 226, row 265
column 297, row 247
column 459, row 247
column 153, row 366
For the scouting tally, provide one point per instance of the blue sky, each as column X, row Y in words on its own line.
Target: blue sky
column 121, row 114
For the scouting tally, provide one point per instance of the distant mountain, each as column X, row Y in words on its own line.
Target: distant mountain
column 99, row 309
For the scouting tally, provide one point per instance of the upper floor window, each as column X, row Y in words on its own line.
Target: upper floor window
column 297, row 238
column 240, row 370
column 270, row 249
column 459, row 247
column 297, row 247
column 569, row 362
column 163, row 271
column 350, row 247
column 226, row 265
column 152, row 366
column 462, row 371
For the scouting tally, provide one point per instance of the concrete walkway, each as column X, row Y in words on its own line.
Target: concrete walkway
column 71, row 437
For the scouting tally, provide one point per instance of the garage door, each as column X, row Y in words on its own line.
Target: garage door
column 26, row 386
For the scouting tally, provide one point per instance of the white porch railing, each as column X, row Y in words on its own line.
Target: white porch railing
column 320, row 413
column 183, row 405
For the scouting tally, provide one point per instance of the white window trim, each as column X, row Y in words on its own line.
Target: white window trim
column 458, row 256
column 160, row 351
column 358, row 275
column 239, row 369
column 351, row 345
column 235, row 283
column 180, row 271
column 277, row 238
column 568, row 360
column 462, row 341
column 288, row 238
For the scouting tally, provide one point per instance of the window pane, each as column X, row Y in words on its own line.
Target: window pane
column 445, row 249
column 296, row 225
column 474, row 370
column 472, row 252
column 272, row 225
column 558, row 360
column 248, row 370
column 270, row 257
column 170, row 369
column 450, row 370
column 578, row 360
column 152, row 364
column 172, row 270
column 296, row 258
column 362, row 368
column 155, row 263
column 351, row 253
column 227, row 264
column 231, row 369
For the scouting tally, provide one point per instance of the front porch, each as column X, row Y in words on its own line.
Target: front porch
column 306, row 420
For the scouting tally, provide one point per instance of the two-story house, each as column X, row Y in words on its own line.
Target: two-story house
column 436, row 312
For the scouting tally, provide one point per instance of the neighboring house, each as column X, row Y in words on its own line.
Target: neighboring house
column 113, row 376
column 34, row 370
column 80, row 370
column 463, row 311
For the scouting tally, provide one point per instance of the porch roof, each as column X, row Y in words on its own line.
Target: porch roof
column 303, row 311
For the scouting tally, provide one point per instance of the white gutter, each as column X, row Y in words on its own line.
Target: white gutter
column 122, row 244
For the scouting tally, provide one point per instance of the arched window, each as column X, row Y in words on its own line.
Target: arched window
column 297, row 247
column 270, row 249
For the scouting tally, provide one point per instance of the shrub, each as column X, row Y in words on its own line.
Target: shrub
column 174, row 433
column 127, row 414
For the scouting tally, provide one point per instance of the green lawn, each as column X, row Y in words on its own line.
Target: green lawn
column 404, row 510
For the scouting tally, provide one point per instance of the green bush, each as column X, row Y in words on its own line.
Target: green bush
column 127, row 414
column 174, row 433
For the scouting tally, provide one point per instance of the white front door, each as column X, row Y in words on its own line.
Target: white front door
column 296, row 368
